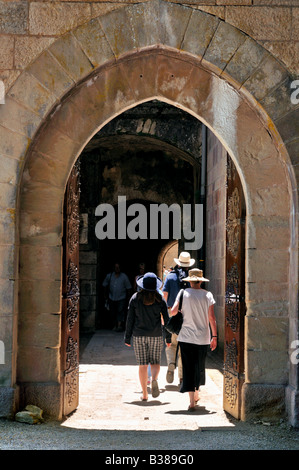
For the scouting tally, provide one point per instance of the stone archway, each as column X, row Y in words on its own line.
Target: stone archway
column 181, row 59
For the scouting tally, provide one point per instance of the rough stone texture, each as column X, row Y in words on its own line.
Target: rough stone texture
column 94, row 42
column 28, row 48
column 263, row 23
column 18, row 119
column 8, row 401
column 70, row 55
column 49, row 400
column 265, row 401
column 199, row 33
column 6, row 52
column 267, row 76
column 223, row 45
column 37, row 98
column 42, row 262
column 13, row 17
column 55, row 19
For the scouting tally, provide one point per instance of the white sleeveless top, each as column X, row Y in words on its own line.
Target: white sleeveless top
column 195, row 308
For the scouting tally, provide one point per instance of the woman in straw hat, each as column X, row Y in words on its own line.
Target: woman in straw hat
column 195, row 336
column 145, row 328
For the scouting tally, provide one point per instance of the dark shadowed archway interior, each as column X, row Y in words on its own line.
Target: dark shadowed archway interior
column 149, row 155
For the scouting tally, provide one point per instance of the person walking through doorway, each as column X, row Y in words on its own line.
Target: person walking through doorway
column 144, row 328
column 117, row 291
column 172, row 285
column 195, row 336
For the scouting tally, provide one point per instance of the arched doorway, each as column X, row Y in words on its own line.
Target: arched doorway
column 180, row 79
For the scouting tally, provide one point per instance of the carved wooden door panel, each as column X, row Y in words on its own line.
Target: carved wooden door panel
column 71, row 294
column 235, row 293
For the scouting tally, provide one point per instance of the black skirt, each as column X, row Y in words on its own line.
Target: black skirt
column 193, row 362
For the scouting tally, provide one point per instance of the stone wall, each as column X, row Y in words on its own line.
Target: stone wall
column 215, row 232
column 28, row 27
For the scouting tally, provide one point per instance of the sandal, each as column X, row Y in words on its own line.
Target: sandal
column 155, row 389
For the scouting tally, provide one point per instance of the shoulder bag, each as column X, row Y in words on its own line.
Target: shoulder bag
column 175, row 322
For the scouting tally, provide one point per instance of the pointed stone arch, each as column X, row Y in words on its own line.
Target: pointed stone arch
column 191, row 60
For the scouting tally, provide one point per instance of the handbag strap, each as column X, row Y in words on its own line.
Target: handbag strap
column 181, row 299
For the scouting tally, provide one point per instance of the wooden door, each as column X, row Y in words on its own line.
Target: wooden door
column 71, row 294
column 235, row 293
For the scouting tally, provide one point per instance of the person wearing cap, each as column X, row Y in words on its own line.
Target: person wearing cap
column 144, row 329
column 172, row 285
column 198, row 331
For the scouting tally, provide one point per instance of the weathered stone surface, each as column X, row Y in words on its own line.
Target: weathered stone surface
column 144, row 21
column 94, row 42
column 268, row 232
column 37, row 98
column 7, row 261
column 6, row 295
column 245, row 60
column 266, row 333
column 49, row 198
column 31, row 415
column 288, row 126
column 51, row 74
column 44, row 169
column 141, row 75
column 266, row 367
column 13, row 17
column 42, row 262
column 199, row 33
column 39, row 364
column 13, row 144
column 263, row 401
column 264, row 266
column 261, row 23
column 28, row 48
column 286, row 52
column 268, row 75
column 9, row 170
column 7, row 195
column 173, row 24
column 48, row 18
column 293, row 150
column 70, row 55
column 6, row 51
column 41, row 296
column 17, row 118
column 41, row 228
column 171, row 79
column 118, row 31
column 7, row 226
column 223, row 45
column 278, row 103
column 41, row 330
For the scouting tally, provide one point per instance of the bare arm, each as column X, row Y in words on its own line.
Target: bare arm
column 212, row 321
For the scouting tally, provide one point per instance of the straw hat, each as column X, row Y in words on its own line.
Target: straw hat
column 184, row 260
column 195, row 275
column 149, row 282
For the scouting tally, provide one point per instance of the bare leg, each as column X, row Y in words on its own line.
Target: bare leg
column 143, row 381
column 192, row 399
column 155, row 368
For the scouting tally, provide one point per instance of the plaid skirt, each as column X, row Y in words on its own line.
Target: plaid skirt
column 148, row 349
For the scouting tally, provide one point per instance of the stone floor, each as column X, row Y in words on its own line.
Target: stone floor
column 110, row 393
column 112, row 419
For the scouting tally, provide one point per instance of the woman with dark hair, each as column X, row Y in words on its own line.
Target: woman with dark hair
column 144, row 327
column 197, row 333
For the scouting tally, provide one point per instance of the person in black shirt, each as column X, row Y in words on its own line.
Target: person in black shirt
column 144, row 328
